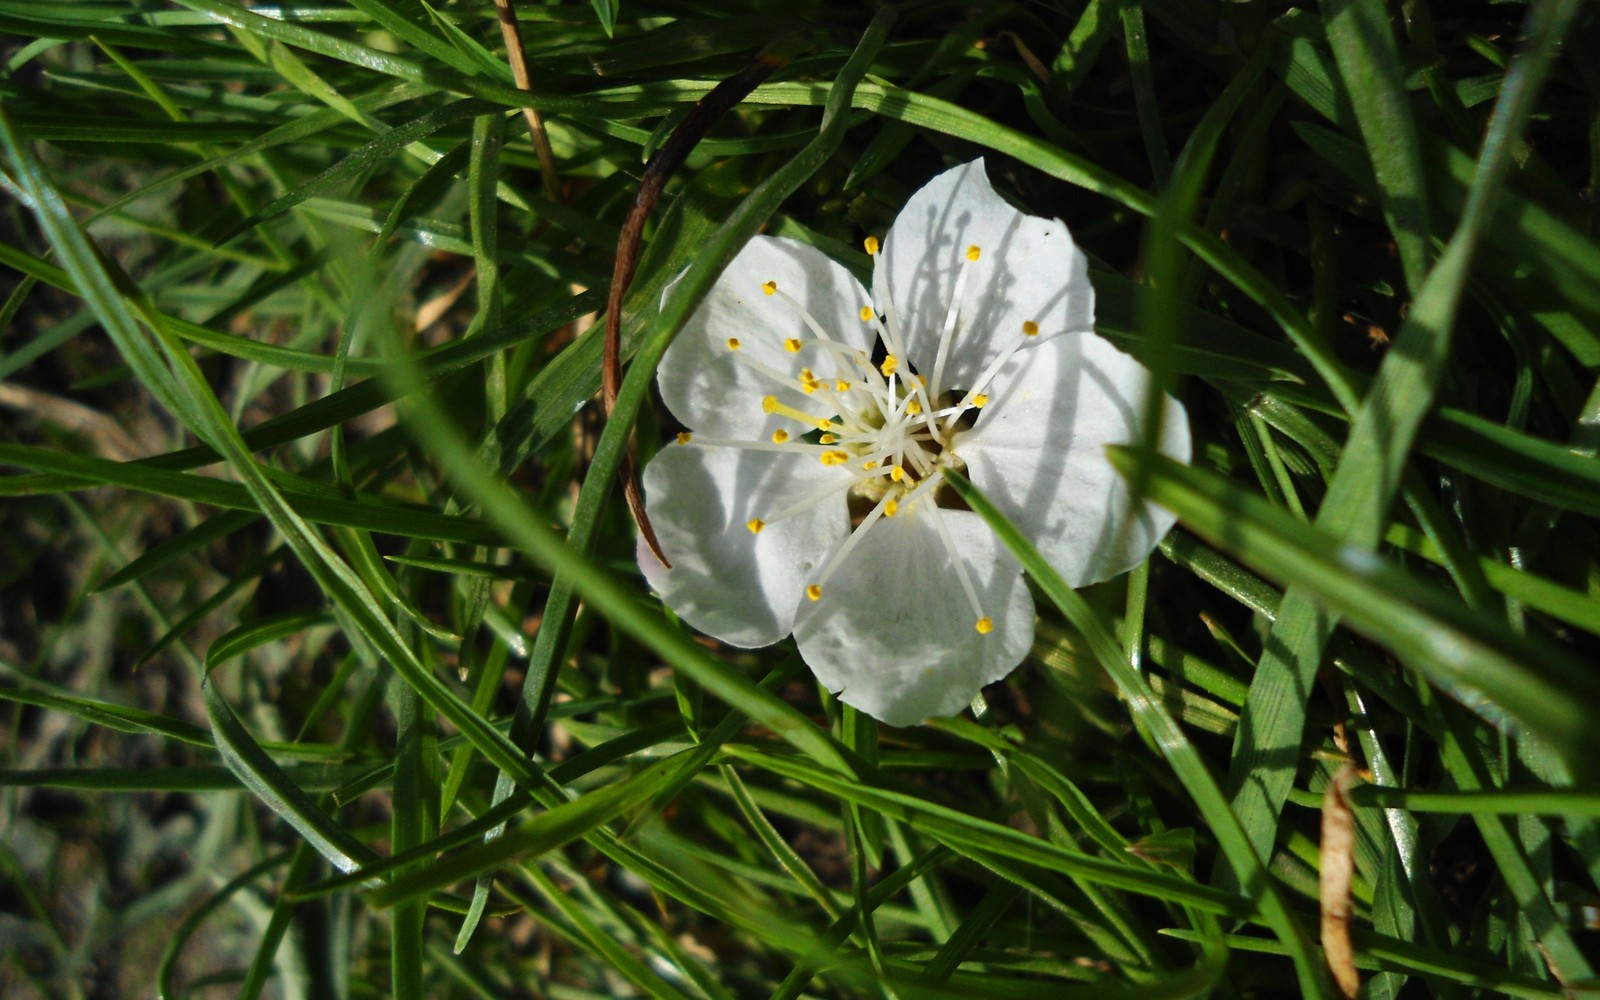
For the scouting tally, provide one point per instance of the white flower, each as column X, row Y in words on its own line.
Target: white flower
column 806, row 496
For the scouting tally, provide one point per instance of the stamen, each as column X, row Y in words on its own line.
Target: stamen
column 770, row 404
column 814, row 592
column 891, row 508
column 985, row 625
column 684, row 437
column 733, row 343
column 961, row 567
column 890, row 328
column 794, row 447
column 980, row 400
column 1030, row 329
column 792, row 345
column 890, row 364
column 834, row 457
column 828, row 439
column 871, row 245
column 867, row 315
column 779, row 436
column 769, row 287
column 950, row 316
column 849, row 543
column 755, row 524
column 971, row 398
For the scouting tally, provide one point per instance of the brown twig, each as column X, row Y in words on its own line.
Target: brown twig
column 657, row 171
column 512, row 33
column 1337, row 868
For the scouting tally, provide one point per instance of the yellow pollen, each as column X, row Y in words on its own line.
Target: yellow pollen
column 684, row 437
column 867, row 315
column 980, row 400
column 869, row 465
column 779, row 436
column 913, row 407
column 807, row 375
column 985, row 625
column 828, row 439
column 834, row 457
column 1030, row 328
column 792, row 345
column 897, row 473
column 872, row 245
column 755, row 524
column 733, row 343
column 841, row 386
column 973, row 252
column 891, row 508
column 770, row 404
column 889, row 365
column 809, row 387
column 769, row 287
column 814, row 592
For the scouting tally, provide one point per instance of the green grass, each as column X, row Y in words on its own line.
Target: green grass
column 325, row 668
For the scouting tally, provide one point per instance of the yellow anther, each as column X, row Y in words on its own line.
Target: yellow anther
column 973, row 252
column 755, row 524
column 814, row 592
column 980, row 400
column 1030, row 328
column 897, row 473
column 834, row 457
column 807, row 375
column 733, row 343
column 891, row 508
column 792, row 345
column 913, row 407
column 684, row 437
column 841, row 386
column 985, row 625
column 770, row 404
column 869, row 465
column 828, row 439
column 867, row 315
column 769, row 287
column 779, row 436
column 872, row 245
column 889, row 365
column 808, row 387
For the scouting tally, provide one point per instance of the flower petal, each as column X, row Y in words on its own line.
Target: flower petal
column 893, row 632
column 706, row 386
column 1038, row 451
column 737, row 585
column 1028, row 270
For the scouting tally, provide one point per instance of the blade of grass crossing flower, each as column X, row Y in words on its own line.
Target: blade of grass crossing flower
column 1149, row 710
column 1266, row 753
column 711, row 257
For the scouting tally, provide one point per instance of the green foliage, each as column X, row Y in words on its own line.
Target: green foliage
column 324, row 659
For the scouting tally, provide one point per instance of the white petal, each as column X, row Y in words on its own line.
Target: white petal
column 701, row 381
column 726, row 581
column 1029, row 270
column 1038, row 451
column 894, row 632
